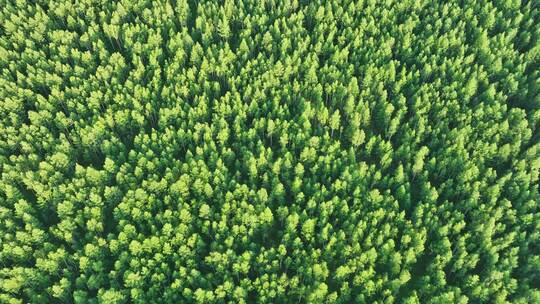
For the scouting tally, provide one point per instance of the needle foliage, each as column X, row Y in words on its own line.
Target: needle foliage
column 363, row 151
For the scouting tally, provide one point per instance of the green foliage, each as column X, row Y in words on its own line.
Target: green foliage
column 269, row 151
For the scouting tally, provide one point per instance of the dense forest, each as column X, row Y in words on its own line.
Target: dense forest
column 247, row 151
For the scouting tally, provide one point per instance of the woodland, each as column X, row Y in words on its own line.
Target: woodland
column 247, row 151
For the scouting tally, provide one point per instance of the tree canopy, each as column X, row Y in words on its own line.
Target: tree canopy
column 293, row 151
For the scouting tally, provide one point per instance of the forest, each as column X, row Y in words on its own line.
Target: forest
column 275, row 151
